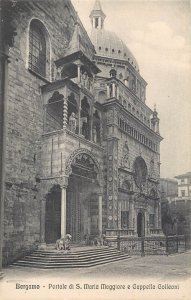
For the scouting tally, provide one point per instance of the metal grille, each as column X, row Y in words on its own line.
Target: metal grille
column 148, row 245
column 37, row 50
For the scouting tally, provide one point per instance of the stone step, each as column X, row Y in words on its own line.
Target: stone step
column 73, row 264
column 71, row 257
column 47, row 260
column 74, row 250
column 72, row 254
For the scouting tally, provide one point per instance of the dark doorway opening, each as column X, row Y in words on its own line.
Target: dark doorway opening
column 53, row 215
column 82, row 208
column 140, row 224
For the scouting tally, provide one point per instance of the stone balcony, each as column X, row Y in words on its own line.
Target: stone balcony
column 57, row 146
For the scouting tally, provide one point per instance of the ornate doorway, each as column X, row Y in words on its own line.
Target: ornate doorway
column 140, row 224
column 82, row 208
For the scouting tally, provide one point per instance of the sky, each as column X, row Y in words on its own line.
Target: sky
column 158, row 33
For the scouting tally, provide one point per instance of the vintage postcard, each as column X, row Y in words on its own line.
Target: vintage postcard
column 95, row 149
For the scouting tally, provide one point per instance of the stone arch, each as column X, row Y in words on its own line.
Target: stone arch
column 68, row 168
column 54, row 111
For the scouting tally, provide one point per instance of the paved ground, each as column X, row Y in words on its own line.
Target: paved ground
column 137, row 278
column 176, row 266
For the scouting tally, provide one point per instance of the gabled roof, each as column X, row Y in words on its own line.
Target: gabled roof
column 186, row 175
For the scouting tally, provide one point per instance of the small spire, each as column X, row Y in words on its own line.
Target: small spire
column 97, row 5
column 155, row 113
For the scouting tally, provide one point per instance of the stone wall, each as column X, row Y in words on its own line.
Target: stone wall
column 25, row 123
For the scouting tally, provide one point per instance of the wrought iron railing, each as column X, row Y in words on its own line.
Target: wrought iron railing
column 148, row 245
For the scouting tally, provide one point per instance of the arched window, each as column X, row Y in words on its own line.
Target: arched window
column 38, row 49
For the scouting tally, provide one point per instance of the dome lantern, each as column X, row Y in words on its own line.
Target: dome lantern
column 97, row 16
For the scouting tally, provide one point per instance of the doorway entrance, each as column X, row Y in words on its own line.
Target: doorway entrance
column 140, row 224
column 53, row 215
column 82, row 209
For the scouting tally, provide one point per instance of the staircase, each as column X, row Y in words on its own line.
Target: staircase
column 77, row 258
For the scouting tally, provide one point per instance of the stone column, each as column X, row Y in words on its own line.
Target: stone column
column 45, row 117
column 65, row 111
column 93, row 22
column 100, row 214
column 113, row 89
column 117, row 92
column 108, row 91
column 42, row 221
column 159, row 215
column 131, row 214
column 99, row 21
column 79, row 116
column 156, row 215
column 79, row 73
column 63, row 205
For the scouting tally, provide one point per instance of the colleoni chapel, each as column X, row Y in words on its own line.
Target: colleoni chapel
column 82, row 146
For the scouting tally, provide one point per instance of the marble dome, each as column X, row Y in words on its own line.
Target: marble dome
column 108, row 44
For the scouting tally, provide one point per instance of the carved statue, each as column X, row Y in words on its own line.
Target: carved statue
column 58, row 73
column 125, row 163
column 64, row 243
column 72, row 122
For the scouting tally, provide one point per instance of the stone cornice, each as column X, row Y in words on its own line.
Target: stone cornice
column 115, row 103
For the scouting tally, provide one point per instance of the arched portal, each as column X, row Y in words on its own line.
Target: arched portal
column 83, row 201
column 140, row 224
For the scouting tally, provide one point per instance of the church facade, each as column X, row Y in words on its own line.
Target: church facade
column 82, row 152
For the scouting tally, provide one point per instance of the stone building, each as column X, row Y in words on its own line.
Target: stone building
column 82, row 151
column 176, row 206
column 184, row 185
column 168, row 189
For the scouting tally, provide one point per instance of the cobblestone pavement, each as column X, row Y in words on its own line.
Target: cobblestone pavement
column 176, row 266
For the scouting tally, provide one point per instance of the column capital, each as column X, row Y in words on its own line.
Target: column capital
column 64, row 182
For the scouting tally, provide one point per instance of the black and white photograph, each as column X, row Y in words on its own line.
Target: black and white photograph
column 95, row 149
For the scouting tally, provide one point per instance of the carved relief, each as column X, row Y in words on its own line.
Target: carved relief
column 125, row 181
column 110, row 116
column 75, row 155
column 125, row 162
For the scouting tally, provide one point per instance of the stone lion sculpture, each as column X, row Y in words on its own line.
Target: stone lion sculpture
column 64, row 243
